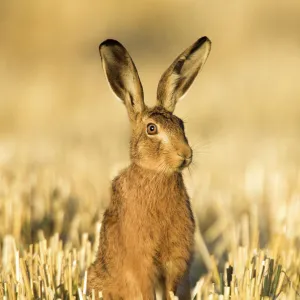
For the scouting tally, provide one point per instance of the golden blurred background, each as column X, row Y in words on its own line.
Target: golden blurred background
column 63, row 135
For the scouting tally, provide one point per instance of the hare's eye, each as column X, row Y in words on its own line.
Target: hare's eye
column 151, row 129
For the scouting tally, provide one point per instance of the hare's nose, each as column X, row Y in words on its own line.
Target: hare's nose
column 186, row 154
column 185, row 151
column 185, row 157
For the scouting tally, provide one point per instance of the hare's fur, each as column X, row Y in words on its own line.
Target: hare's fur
column 147, row 233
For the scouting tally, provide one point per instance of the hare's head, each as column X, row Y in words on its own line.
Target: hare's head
column 158, row 140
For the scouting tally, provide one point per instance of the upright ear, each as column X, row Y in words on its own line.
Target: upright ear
column 178, row 78
column 122, row 76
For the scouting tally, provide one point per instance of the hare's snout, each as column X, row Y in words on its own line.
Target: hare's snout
column 185, row 156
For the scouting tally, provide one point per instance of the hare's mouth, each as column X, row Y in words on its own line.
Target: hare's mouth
column 185, row 163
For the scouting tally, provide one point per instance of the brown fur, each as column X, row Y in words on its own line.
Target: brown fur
column 147, row 232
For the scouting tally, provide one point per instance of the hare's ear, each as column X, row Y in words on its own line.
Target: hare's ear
column 178, row 78
column 122, row 76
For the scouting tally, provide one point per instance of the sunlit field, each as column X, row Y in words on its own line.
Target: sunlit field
column 63, row 137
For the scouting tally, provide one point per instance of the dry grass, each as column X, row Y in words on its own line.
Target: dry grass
column 246, row 249
column 63, row 137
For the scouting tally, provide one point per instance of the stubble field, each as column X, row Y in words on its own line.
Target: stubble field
column 63, row 137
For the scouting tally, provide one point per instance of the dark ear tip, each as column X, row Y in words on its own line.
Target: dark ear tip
column 199, row 43
column 109, row 43
column 203, row 40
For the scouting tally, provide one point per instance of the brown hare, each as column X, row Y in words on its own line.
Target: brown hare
column 147, row 232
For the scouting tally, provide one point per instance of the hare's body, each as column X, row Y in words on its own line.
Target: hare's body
column 147, row 230
column 147, row 234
